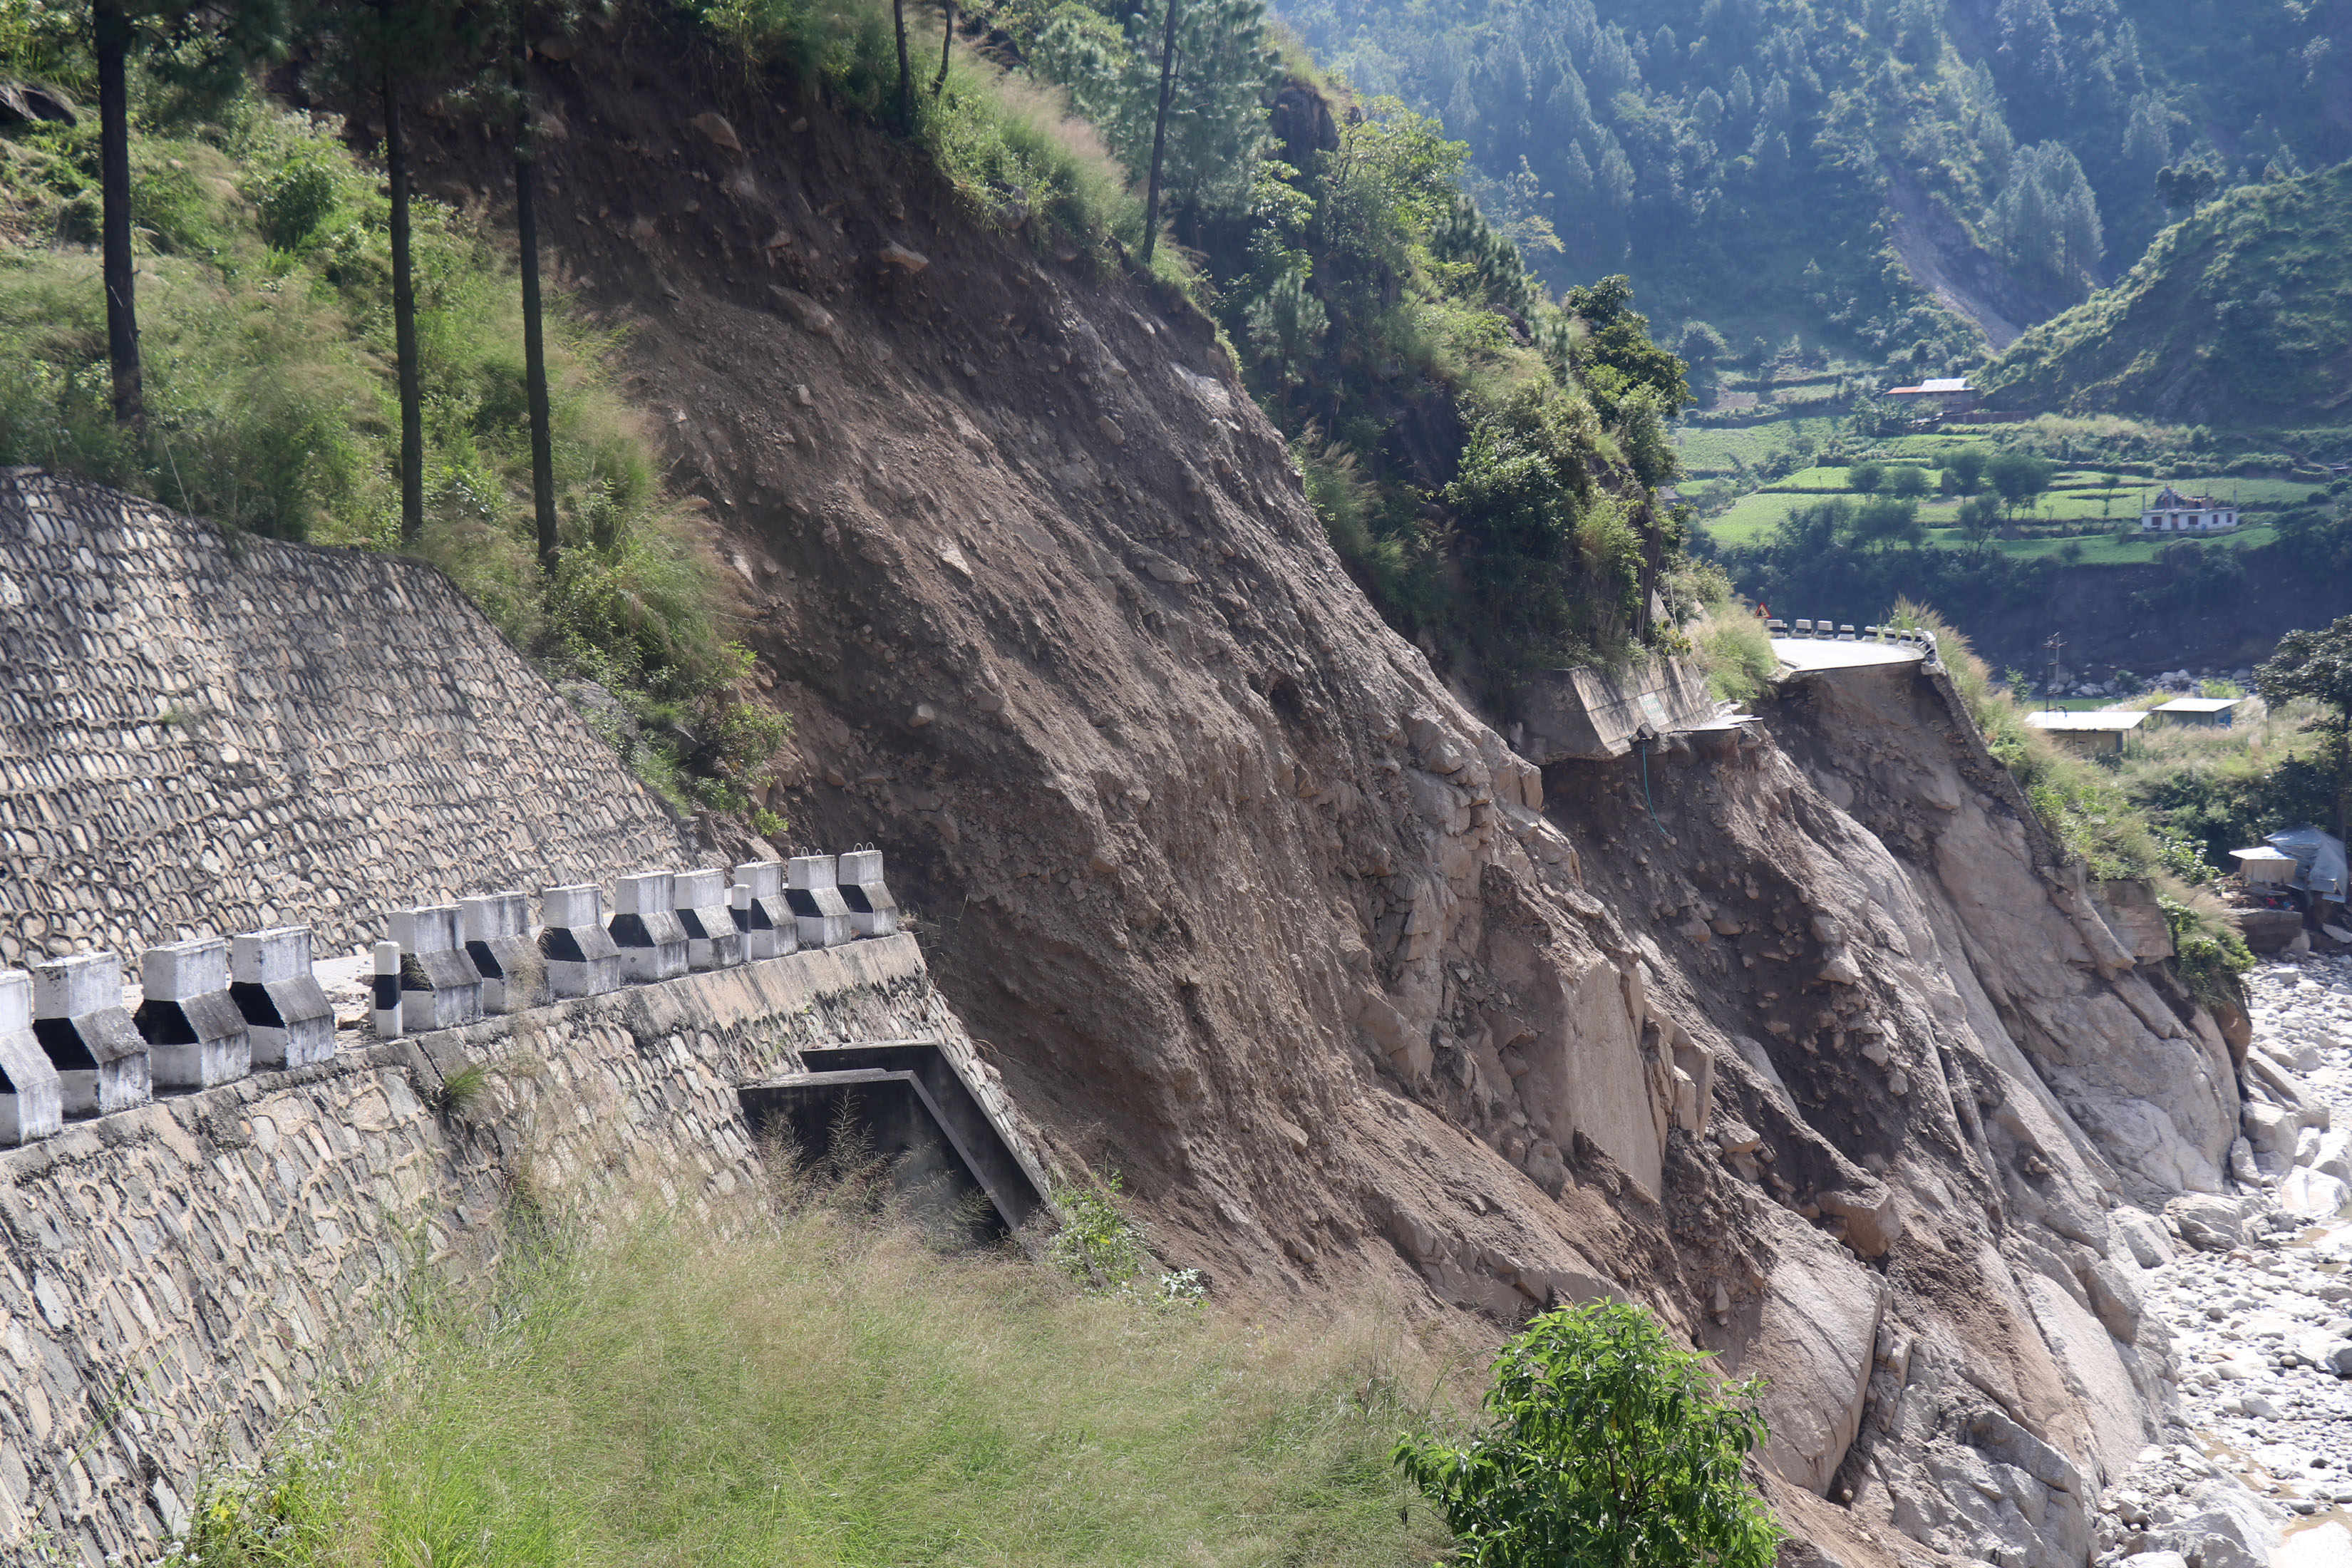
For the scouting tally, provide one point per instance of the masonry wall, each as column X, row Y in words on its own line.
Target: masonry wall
column 175, row 1282
column 200, row 737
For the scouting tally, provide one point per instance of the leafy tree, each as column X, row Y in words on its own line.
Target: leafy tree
column 1885, row 522
column 1906, row 481
column 2019, row 477
column 1618, row 354
column 1979, row 515
column 1701, row 343
column 2185, row 186
column 1966, row 467
column 2318, row 665
column 1604, row 1443
column 1866, row 478
column 1217, row 82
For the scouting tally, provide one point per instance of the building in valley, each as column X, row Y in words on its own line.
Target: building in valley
column 2172, row 512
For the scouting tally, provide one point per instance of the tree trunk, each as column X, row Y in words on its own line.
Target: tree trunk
column 906, row 75
column 535, row 342
column 404, row 323
column 947, row 46
column 113, row 43
column 1160, row 136
column 2343, row 770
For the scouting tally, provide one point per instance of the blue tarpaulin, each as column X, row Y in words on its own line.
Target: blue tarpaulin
column 2318, row 859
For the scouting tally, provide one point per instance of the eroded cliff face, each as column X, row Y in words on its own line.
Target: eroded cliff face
column 1244, row 902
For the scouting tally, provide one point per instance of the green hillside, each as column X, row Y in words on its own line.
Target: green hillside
column 2239, row 315
column 1800, row 168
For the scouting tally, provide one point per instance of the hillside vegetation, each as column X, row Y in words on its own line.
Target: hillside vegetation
column 2241, row 314
column 1745, row 161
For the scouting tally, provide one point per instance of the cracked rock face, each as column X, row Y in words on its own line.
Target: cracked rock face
column 1827, row 1061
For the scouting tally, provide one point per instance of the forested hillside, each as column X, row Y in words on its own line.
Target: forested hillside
column 2241, row 314
column 1852, row 173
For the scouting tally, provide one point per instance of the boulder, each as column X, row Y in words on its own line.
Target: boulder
column 2142, row 1236
column 1815, row 1341
column 1873, row 1223
column 2271, row 1129
column 2307, row 1194
column 2208, row 1223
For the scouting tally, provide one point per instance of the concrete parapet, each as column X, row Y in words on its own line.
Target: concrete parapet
column 872, row 910
column 699, row 901
column 439, row 987
column 32, row 1100
column 101, row 1061
column 762, row 914
column 820, row 914
column 581, row 956
column 285, row 1014
column 646, row 928
column 496, row 928
column 195, row 1036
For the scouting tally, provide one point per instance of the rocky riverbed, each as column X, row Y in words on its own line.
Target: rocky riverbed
column 2255, row 1288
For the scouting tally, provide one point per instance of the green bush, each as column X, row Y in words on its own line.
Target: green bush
column 1604, row 1443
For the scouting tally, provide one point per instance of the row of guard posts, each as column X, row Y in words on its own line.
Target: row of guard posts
column 214, row 1009
column 451, row 963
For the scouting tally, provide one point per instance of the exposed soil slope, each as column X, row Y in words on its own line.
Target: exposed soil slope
column 1246, row 905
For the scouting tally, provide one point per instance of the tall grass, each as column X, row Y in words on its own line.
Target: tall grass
column 743, row 1389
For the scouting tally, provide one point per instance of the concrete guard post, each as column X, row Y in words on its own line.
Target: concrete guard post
column 872, row 910
column 701, row 907
column 387, row 990
column 646, row 928
column 439, row 987
column 32, row 1100
column 101, row 1061
column 581, row 960
column 496, row 930
column 820, row 914
column 286, row 1016
column 761, row 913
column 195, row 1036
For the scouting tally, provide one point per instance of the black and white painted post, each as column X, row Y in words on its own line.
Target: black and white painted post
column 819, row 911
column 286, row 1016
column 78, row 1017
column 701, row 904
column 496, row 929
column 581, row 957
column 195, row 1036
column 646, row 928
column 761, row 913
column 439, row 987
column 872, row 910
column 32, row 1100
column 387, row 990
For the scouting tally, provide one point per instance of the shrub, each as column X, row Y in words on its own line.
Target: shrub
column 1604, row 1443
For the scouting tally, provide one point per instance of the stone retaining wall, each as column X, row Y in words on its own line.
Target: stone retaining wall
column 205, row 735
column 175, row 1282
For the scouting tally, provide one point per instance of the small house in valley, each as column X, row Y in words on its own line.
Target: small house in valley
column 2172, row 512
column 2088, row 734
column 1949, row 395
column 2201, row 712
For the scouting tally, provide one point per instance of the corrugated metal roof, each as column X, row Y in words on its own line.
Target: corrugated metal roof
column 2197, row 704
column 2101, row 719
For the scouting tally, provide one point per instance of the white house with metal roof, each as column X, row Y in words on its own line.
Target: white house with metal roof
column 2211, row 712
column 2172, row 512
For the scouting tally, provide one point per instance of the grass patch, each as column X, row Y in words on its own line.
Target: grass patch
column 812, row 1387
